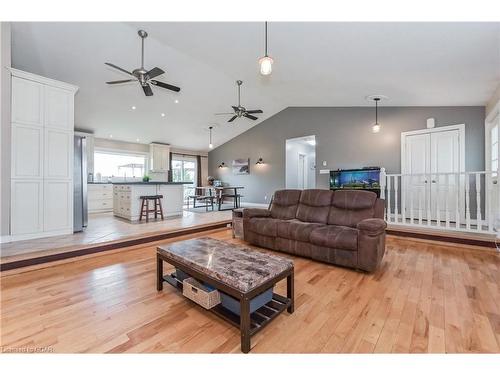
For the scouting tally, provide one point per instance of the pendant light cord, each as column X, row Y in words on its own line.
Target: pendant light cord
column 376, row 111
column 266, row 36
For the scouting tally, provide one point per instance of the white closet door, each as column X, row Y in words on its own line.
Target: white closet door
column 27, row 154
column 58, row 205
column 58, row 108
column 58, row 154
column 417, row 162
column 445, row 151
column 27, row 102
column 26, row 206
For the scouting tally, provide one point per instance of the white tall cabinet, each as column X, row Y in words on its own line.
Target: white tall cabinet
column 42, row 156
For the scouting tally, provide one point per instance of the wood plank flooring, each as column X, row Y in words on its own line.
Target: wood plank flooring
column 425, row 298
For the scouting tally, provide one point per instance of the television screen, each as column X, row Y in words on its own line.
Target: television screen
column 355, row 179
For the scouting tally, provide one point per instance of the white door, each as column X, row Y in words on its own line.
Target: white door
column 27, row 155
column 27, row 102
column 58, row 108
column 417, row 162
column 302, row 171
column 427, row 195
column 26, row 206
column 445, row 158
column 58, row 205
column 58, row 154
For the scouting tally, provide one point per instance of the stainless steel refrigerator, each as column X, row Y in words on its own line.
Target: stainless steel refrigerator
column 80, row 215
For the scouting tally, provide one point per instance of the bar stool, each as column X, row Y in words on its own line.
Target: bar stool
column 145, row 206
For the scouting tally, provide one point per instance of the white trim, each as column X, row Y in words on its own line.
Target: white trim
column 22, row 237
column 44, row 80
column 495, row 111
column 6, row 239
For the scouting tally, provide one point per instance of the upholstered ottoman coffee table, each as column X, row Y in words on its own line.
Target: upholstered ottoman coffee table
column 237, row 271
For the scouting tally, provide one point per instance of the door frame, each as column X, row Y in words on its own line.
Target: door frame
column 305, row 176
column 461, row 141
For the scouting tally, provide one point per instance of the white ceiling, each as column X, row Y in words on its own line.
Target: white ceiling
column 316, row 64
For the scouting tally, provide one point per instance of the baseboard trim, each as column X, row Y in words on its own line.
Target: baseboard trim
column 258, row 205
column 110, row 246
column 443, row 238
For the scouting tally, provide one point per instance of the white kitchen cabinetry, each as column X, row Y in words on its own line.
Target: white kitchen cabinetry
column 100, row 198
column 42, row 156
column 159, row 157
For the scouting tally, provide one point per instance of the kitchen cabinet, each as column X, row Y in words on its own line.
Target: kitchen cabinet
column 42, row 126
column 159, row 157
column 100, row 198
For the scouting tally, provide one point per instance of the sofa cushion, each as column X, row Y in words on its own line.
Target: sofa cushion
column 314, row 205
column 263, row 225
column 285, row 204
column 338, row 237
column 349, row 207
column 296, row 230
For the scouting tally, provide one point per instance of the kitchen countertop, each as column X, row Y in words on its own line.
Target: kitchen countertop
column 151, row 183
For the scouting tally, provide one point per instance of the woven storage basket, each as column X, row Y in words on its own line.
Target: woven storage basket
column 199, row 293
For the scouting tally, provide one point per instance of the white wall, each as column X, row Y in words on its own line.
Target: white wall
column 5, row 132
column 293, row 149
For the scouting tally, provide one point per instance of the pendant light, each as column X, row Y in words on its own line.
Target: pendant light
column 210, row 144
column 376, row 126
column 266, row 62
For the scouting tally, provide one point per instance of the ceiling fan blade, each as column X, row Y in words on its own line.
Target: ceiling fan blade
column 235, row 108
column 165, row 85
column 232, row 118
column 249, row 116
column 122, row 81
column 147, row 90
column 155, row 72
column 255, row 111
column 118, row 68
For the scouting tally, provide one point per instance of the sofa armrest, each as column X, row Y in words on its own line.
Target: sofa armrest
column 255, row 212
column 372, row 227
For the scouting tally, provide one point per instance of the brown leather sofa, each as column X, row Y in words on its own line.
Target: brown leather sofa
column 343, row 227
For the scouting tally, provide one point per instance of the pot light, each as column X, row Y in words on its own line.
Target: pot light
column 111, row 136
column 133, row 107
column 162, row 115
column 137, row 140
column 176, row 101
column 266, row 62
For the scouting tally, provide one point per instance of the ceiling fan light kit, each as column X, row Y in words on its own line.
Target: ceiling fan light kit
column 143, row 76
column 266, row 62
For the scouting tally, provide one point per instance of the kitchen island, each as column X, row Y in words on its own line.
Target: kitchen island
column 127, row 202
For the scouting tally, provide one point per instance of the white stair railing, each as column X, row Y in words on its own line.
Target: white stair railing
column 463, row 201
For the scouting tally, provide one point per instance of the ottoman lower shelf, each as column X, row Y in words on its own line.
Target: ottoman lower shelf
column 258, row 319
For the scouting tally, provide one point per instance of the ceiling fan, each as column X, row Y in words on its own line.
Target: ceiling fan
column 144, row 77
column 240, row 111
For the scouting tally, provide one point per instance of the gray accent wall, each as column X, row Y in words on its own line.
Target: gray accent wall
column 343, row 139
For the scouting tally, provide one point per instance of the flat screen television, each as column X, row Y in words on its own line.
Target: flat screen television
column 362, row 179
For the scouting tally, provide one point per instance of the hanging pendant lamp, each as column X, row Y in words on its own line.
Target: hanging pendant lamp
column 266, row 62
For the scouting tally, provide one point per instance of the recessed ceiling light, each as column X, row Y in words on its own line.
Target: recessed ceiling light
column 162, row 115
column 176, row 101
column 137, row 140
column 111, row 136
column 133, row 107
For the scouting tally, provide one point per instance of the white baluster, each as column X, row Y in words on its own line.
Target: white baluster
column 428, row 199
column 420, row 208
column 436, row 182
column 404, row 194
column 467, row 200
column 479, row 216
column 411, row 189
column 382, row 180
column 396, row 183
column 457, row 200
column 446, row 198
column 389, row 199
column 490, row 199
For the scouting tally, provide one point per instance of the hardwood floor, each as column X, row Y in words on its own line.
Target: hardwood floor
column 424, row 298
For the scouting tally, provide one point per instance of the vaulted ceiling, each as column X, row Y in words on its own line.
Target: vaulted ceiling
column 316, row 64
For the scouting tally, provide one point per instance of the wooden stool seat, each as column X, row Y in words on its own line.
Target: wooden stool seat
column 145, row 211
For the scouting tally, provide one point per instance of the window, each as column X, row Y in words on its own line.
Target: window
column 119, row 164
column 184, row 170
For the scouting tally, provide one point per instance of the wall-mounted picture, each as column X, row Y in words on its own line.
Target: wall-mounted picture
column 241, row 166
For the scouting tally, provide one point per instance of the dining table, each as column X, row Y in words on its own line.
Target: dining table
column 221, row 192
